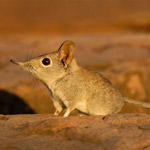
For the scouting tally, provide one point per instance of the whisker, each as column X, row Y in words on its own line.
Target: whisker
column 39, row 85
column 32, row 52
column 27, row 55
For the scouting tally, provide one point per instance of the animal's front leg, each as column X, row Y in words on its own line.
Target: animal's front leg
column 74, row 104
column 58, row 111
column 68, row 111
column 59, row 107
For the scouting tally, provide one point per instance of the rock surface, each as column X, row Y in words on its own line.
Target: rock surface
column 36, row 132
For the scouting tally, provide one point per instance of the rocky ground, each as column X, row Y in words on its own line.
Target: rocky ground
column 47, row 132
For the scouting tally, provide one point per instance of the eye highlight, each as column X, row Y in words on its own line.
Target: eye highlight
column 46, row 61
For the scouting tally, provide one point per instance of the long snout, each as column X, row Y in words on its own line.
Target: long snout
column 24, row 65
column 14, row 62
column 17, row 62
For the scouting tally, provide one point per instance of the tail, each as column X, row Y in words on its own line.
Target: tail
column 142, row 104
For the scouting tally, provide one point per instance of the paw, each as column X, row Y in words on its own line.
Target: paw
column 56, row 113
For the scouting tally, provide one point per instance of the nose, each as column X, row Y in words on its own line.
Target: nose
column 14, row 62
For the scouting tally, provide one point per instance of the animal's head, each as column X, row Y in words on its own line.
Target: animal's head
column 51, row 66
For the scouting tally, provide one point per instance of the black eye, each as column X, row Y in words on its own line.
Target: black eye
column 46, row 61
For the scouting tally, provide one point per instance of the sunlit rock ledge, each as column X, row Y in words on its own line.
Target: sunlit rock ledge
column 44, row 131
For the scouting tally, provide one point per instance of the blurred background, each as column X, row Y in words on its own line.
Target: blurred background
column 74, row 16
column 112, row 38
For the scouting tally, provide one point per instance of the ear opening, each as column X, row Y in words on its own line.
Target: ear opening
column 66, row 52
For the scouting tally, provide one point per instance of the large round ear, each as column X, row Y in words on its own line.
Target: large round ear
column 66, row 52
